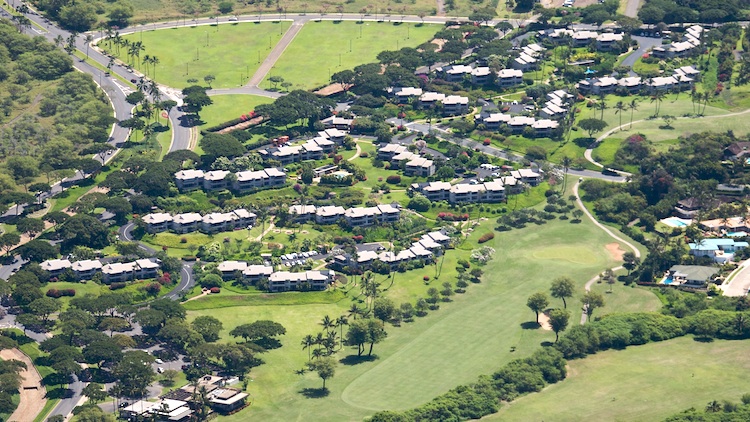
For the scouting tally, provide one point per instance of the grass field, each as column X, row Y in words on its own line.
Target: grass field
column 641, row 383
column 228, row 107
column 323, row 48
column 626, row 299
column 232, row 55
column 740, row 125
column 411, row 368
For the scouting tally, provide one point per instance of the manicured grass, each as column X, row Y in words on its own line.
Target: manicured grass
column 165, row 142
column 233, row 52
column 323, row 47
column 80, row 288
column 641, row 383
column 229, row 107
column 740, row 125
column 624, row 298
column 672, row 104
column 429, row 356
column 606, row 150
column 264, row 299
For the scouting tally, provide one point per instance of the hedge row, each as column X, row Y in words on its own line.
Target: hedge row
column 486, row 237
column 55, row 293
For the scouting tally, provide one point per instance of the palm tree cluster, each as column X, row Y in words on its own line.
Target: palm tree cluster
column 328, row 341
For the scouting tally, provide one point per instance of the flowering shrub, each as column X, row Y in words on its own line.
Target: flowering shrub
column 215, row 290
column 394, row 179
column 448, row 216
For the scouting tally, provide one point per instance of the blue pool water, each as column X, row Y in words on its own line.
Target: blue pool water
column 667, row 280
column 737, row 234
column 675, row 222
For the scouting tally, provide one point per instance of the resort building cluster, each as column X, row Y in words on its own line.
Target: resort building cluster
column 112, row 272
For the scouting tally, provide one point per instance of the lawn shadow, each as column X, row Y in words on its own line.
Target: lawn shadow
column 530, row 325
column 701, row 339
column 356, row 360
column 314, row 393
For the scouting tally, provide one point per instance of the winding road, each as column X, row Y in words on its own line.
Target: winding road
column 606, row 230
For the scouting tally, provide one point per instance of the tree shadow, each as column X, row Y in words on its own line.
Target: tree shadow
column 575, row 221
column 703, row 339
column 268, row 343
column 314, row 393
column 356, row 360
column 530, row 325
column 583, row 142
column 546, row 344
column 59, row 393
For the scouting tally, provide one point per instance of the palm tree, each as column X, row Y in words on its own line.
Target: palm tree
column 657, row 97
column 706, row 98
column 354, row 311
column 146, row 61
column 566, row 162
column 328, row 323
column 59, row 40
column 602, row 105
column 307, row 343
column 88, row 38
column 619, row 108
column 340, row 322
column 154, row 62
column 633, row 106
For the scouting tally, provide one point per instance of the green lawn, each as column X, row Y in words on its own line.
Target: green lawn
column 233, row 52
column 740, row 125
column 229, row 107
column 626, row 299
column 641, row 383
column 80, row 288
column 322, row 48
column 411, row 368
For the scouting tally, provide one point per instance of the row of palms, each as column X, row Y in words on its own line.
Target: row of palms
column 621, row 107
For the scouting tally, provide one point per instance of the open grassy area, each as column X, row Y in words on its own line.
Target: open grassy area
column 739, row 124
column 228, row 107
column 411, row 368
column 641, row 383
column 231, row 53
column 323, row 48
column 626, row 299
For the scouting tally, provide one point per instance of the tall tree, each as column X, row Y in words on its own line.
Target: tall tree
column 562, row 288
column 538, row 302
column 591, row 301
column 558, row 320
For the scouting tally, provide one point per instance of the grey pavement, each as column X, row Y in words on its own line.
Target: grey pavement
column 740, row 282
column 644, row 44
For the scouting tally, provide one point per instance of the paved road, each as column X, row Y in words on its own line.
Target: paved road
column 644, row 44
column 187, row 280
column 632, row 8
column 606, row 230
column 740, row 282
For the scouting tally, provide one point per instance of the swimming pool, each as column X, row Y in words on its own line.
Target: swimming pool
column 674, row 222
column 737, row 234
column 667, row 280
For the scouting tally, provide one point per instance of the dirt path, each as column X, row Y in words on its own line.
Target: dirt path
column 262, row 235
column 32, row 400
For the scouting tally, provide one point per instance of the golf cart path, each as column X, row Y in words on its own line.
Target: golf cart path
column 588, row 153
column 274, row 55
column 609, row 232
column 32, row 400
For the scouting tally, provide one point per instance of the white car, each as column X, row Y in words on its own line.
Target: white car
column 233, row 19
column 159, row 361
column 160, row 370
